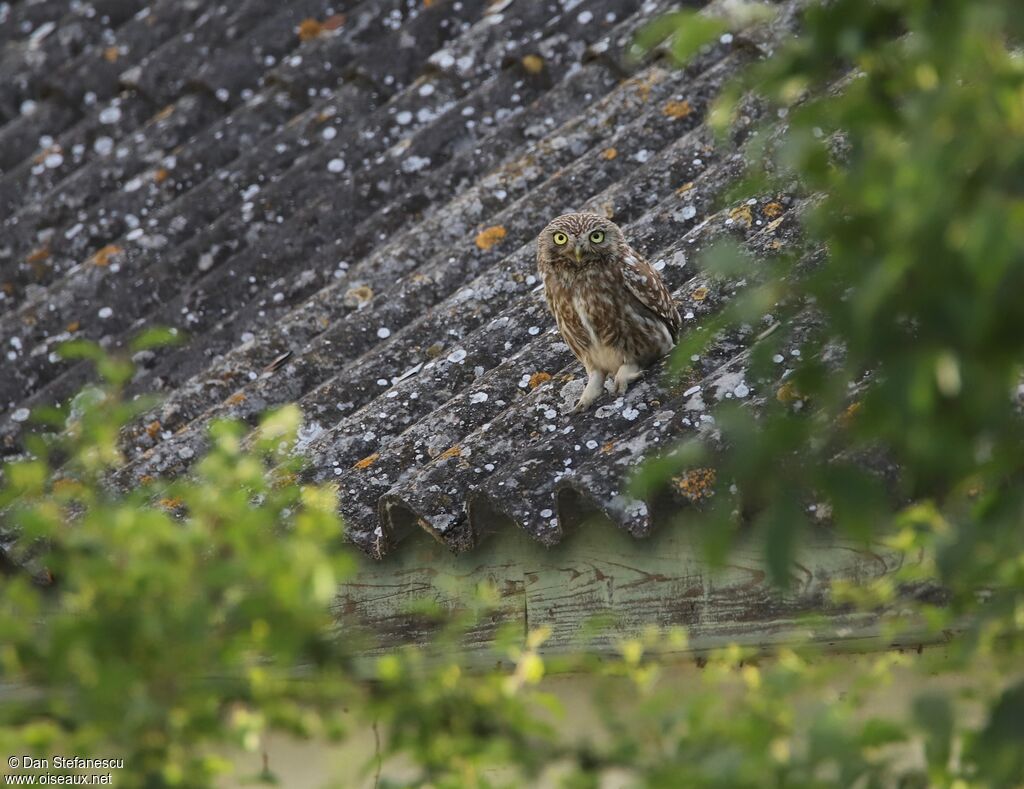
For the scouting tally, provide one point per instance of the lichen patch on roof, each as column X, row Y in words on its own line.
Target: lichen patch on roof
column 335, row 202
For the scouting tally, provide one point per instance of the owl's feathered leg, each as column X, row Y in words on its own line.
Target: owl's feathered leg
column 595, row 385
column 625, row 375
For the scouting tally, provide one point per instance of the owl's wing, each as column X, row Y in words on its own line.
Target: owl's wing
column 649, row 288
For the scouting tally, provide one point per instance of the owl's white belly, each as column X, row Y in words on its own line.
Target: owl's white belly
column 599, row 356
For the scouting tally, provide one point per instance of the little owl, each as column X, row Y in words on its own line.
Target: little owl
column 611, row 306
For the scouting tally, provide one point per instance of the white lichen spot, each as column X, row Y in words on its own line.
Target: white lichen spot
column 336, row 165
column 478, row 397
column 458, row 356
column 383, row 332
column 21, row 415
column 105, row 312
column 414, row 164
column 110, row 115
column 103, row 145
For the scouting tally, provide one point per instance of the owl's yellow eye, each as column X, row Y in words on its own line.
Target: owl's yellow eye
column 597, row 236
column 560, row 238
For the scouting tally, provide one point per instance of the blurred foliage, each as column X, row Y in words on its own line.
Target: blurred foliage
column 891, row 387
column 173, row 623
column 165, row 623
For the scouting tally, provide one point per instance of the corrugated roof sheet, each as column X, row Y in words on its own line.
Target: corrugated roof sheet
column 337, row 202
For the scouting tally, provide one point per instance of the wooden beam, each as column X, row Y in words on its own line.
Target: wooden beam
column 598, row 570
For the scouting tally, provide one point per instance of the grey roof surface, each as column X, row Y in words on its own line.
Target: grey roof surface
column 342, row 214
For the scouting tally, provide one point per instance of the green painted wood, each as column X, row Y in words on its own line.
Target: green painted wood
column 600, row 571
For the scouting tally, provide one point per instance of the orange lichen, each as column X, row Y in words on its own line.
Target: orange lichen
column 684, row 188
column 111, row 54
column 787, row 393
column 367, row 461
column 696, row 484
column 66, row 486
column 146, row 479
column 609, row 153
column 677, row 109
column 160, row 175
column 606, row 448
column 282, row 479
column 74, row 326
column 490, row 236
column 538, row 378
column 358, row 296
column 334, row 21
column 8, row 288
column 848, row 415
column 38, row 254
column 171, row 503
column 699, row 294
column 773, row 210
column 451, row 452
column 309, row 29
column 742, row 214
column 643, row 86
column 164, row 114
column 534, row 64
column 153, row 428
column 102, row 256
column 235, row 399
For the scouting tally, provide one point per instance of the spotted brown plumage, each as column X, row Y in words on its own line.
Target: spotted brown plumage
column 611, row 306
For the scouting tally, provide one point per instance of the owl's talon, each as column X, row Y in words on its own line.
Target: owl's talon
column 624, row 376
column 583, row 404
column 595, row 385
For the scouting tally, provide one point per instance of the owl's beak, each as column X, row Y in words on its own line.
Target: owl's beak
column 579, row 254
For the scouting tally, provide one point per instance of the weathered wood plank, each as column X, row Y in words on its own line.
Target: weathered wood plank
column 600, row 571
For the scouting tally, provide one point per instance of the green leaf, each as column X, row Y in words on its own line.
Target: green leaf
column 686, row 32
column 877, row 732
column 725, row 258
column 781, row 525
column 934, row 714
column 157, row 337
